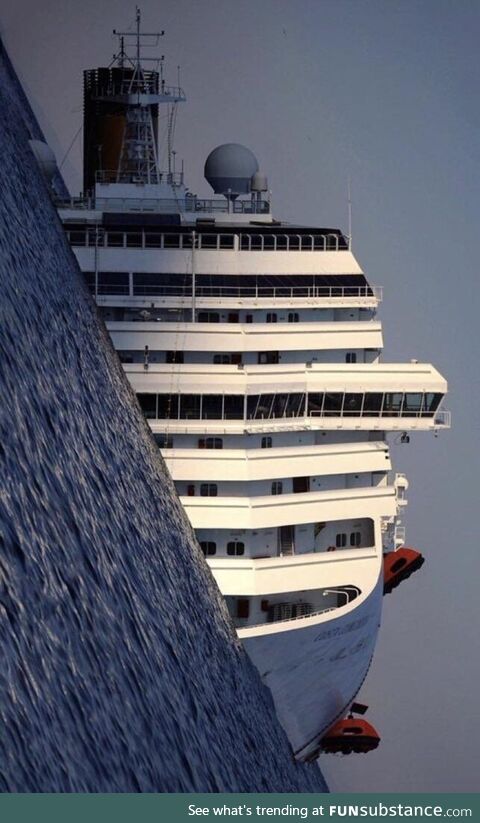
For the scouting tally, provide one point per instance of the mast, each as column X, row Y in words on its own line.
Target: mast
column 129, row 94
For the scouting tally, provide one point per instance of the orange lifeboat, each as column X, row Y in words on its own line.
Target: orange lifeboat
column 351, row 735
column 399, row 565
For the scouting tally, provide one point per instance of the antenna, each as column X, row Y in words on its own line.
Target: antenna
column 349, row 196
column 140, row 92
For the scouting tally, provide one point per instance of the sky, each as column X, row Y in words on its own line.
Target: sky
column 384, row 93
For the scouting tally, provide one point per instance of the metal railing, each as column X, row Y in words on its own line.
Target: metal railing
column 443, row 418
column 108, row 176
column 239, row 625
column 293, row 242
column 159, row 240
column 258, row 292
column 188, row 203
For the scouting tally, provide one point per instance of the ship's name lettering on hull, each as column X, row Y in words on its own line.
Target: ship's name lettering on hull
column 339, row 631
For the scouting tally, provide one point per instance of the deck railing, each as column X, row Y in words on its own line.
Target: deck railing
column 207, row 241
column 289, row 292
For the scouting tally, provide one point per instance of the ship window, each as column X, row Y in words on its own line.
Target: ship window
column 277, row 487
column 134, row 240
column 212, row 407
column 235, row 547
column 226, row 241
column 148, row 405
column 333, row 405
column 431, row 403
column 125, row 357
column 412, row 404
column 352, row 403
column 249, row 318
column 315, row 403
column 373, row 404
column 210, row 443
column 168, row 406
column 233, row 407
column 341, row 541
column 268, row 357
column 171, row 241
column 191, row 490
column 77, row 238
column 301, row 484
column 163, row 441
column 351, row 357
column 293, row 317
column 112, row 282
column 208, row 489
column 208, row 317
column 243, row 608
column 392, row 404
column 233, row 317
column 271, row 317
column 174, row 356
column 266, row 442
column 115, row 238
column 153, row 241
column 355, row 539
column 233, row 358
column 190, row 407
column 208, row 241
column 258, row 405
column 164, row 283
column 295, row 405
column 208, row 547
column 279, row 408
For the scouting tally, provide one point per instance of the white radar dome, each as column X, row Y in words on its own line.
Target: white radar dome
column 44, row 157
column 229, row 169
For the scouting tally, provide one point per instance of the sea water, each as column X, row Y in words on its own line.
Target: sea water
column 120, row 668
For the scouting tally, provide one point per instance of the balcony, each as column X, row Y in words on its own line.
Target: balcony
column 269, row 511
column 306, row 573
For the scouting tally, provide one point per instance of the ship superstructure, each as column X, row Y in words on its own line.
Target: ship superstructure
column 254, row 349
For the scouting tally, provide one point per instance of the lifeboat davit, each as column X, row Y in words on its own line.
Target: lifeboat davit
column 351, row 735
column 399, row 565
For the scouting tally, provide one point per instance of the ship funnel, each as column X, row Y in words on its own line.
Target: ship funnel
column 229, row 169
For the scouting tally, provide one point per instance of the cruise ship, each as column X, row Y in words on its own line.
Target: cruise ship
column 254, row 349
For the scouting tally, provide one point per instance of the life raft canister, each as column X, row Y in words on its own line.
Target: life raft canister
column 350, row 735
column 399, row 565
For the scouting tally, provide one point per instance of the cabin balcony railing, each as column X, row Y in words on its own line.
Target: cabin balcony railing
column 292, row 292
column 254, row 292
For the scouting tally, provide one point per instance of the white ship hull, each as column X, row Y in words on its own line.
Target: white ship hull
column 315, row 672
column 254, row 350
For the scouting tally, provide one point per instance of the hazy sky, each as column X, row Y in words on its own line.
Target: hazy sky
column 386, row 92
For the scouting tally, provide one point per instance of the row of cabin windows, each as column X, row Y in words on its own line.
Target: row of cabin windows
column 234, row 548
column 237, row 547
column 234, row 317
column 230, row 358
column 299, row 485
column 266, row 406
column 165, row 441
column 341, row 540
column 206, row 490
